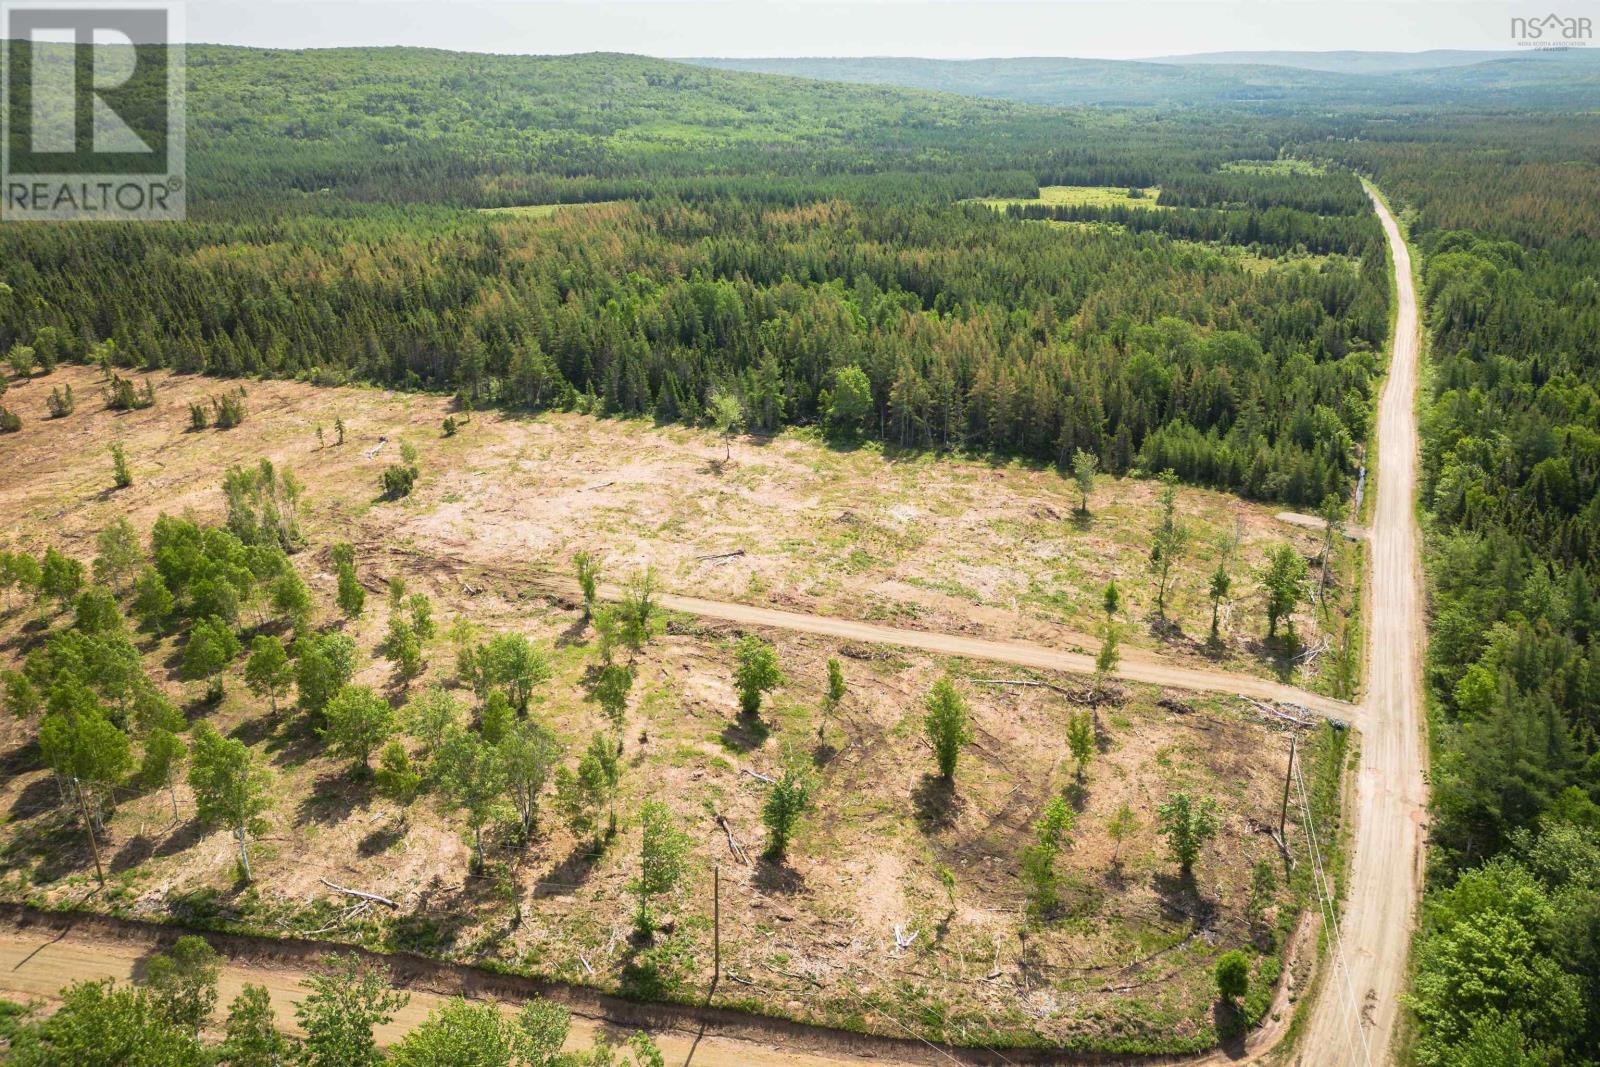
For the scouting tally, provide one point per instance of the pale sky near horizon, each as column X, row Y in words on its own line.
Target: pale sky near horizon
column 946, row 29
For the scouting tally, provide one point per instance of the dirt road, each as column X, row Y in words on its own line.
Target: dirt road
column 1136, row 666
column 1385, row 874
column 37, row 961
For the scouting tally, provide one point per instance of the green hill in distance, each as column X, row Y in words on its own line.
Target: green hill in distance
column 1265, row 81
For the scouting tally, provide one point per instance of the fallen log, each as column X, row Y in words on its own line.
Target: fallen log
column 359, row 895
column 733, row 843
column 1063, row 690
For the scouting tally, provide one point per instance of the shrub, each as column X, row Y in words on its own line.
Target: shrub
column 1233, row 975
column 229, row 409
column 397, row 481
column 60, row 402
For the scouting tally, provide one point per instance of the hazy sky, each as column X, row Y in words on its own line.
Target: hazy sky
column 940, row 28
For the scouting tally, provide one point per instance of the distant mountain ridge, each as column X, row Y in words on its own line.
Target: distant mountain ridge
column 1351, row 62
column 1264, row 80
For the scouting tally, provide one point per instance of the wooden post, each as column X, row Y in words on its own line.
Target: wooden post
column 1283, row 811
column 716, row 925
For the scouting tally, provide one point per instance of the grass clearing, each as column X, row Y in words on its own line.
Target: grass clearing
column 1084, row 196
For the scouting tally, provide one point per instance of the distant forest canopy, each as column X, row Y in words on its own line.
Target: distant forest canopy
column 776, row 232
column 773, row 232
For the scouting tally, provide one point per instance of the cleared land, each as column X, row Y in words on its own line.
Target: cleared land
column 956, row 546
column 1086, row 196
column 1125, row 964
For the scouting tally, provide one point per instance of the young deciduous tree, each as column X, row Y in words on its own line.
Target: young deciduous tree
column 324, row 664
column 1122, row 825
column 291, row 598
column 1168, row 542
column 587, row 569
column 541, row 1033
column 1084, row 467
column 152, row 601
column 636, row 613
column 267, row 672
column 1187, row 824
column 116, row 553
column 725, row 412
column 357, row 721
column 756, row 672
column 512, row 662
column 183, row 983
column 212, row 645
column 1284, row 581
column 85, row 748
column 19, row 571
column 496, row 719
column 397, row 777
column 1233, row 975
column 350, row 596
column 431, row 716
column 948, row 724
column 101, row 1024
column 340, row 1011
column 850, row 405
column 787, row 801
column 1080, row 740
column 250, row 1036
column 229, row 789
column 163, row 753
column 663, row 860
column 402, row 645
column 60, row 577
column 611, row 690
column 470, row 778
column 607, row 632
column 458, row 1033
column 1050, row 835
column 528, row 752
column 96, row 611
column 1332, row 515
column 585, row 794
column 1220, row 584
column 121, row 476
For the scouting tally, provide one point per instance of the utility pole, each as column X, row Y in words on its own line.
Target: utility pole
column 88, row 825
column 1283, row 811
column 716, row 925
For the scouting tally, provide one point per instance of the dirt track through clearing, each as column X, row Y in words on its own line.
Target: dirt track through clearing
column 1135, row 666
column 37, row 961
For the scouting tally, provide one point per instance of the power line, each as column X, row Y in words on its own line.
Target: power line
column 1323, row 888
